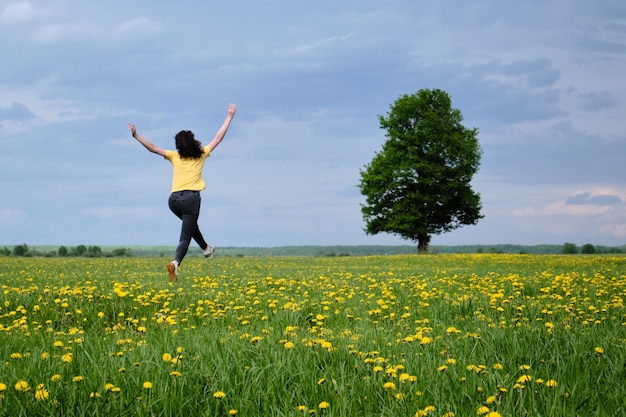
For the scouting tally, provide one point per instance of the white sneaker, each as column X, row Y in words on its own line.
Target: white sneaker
column 209, row 251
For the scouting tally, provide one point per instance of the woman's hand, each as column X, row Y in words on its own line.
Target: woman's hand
column 132, row 128
column 232, row 108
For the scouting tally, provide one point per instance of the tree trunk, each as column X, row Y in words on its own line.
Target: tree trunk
column 422, row 244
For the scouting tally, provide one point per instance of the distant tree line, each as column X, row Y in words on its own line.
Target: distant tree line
column 303, row 250
column 90, row 251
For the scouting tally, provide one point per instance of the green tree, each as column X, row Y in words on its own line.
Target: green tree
column 588, row 248
column 418, row 185
column 63, row 251
column 569, row 248
column 20, row 250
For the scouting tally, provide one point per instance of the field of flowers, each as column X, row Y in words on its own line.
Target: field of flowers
column 432, row 335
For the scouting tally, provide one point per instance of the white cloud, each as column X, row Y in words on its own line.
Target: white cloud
column 307, row 46
column 138, row 26
column 17, row 12
column 598, row 201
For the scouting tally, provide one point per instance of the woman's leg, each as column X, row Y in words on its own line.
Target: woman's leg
column 186, row 206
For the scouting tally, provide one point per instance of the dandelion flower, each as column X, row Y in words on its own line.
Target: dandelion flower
column 22, row 385
column 41, row 393
column 232, row 412
column 3, row 386
column 108, row 386
column 147, row 385
column 551, row 383
column 302, row 408
column 524, row 378
column 58, row 344
column 482, row 410
column 426, row 340
column 67, row 358
column 166, row 357
column 175, row 374
column 288, row 345
column 219, row 395
column 324, row 404
column 599, row 350
column 77, row 378
column 494, row 414
column 389, row 386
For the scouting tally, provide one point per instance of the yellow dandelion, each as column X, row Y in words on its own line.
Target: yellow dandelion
column 498, row 366
column 425, row 340
column 599, row 350
column 232, row 412
column 302, row 408
column 482, row 410
column 58, row 344
column 321, row 381
column 77, row 378
column 219, row 395
column 16, row 356
column 41, row 393
column 3, row 386
column 147, row 385
column 404, row 377
column 551, row 383
column 442, row 368
column 524, row 378
column 494, row 414
column 108, row 386
column 116, row 389
column 389, row 386
column 288, row 345
column 44, row 355
column 22, row 385
column 323, row 405
column 175, row 374
column 67, row 358
column 166, row 357
column 491, row 399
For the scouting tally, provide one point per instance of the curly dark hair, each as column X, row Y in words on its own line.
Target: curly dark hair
column 187, row 145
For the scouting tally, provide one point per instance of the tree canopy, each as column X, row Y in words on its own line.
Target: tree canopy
column 418, row 185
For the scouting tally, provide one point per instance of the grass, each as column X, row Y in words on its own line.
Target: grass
column 436, row 335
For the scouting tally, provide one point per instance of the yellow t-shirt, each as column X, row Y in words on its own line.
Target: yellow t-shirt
column 187, row 172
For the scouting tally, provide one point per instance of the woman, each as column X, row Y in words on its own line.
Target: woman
column 187, row 163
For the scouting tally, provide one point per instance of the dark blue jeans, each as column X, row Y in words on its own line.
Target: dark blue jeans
column 186, row 206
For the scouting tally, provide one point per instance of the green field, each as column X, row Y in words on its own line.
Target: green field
column 407, row 335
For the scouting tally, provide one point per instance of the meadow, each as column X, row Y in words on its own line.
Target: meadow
column 430, row 335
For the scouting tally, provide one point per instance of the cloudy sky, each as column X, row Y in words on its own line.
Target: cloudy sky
column 543, row 82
